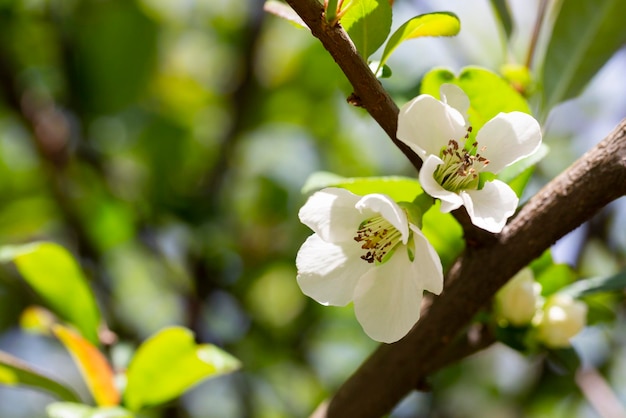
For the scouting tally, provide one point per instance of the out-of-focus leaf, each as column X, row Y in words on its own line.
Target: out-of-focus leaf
column 564, row 361
column 594, row 285
column 92, row 364
column 429, row 24
column 518, row 174
column 114, row 54
column 168, row 364
column 489, row 93
column 14, row 371
column 75, row 410
column 501, row 10
column 54, row 274
column 284, row 11
column 519, row 77
column 444, row 233
column 398, row 188
column 555, row 277
column 368, row 23
column 585, row 35
column 37, row 320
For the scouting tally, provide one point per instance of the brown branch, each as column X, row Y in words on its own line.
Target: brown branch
column 568, row 201
column 368, row 91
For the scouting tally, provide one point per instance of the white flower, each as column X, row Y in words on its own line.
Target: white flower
column 365, row 250
column 563, row 318
column 437, row 132
column 518, row 300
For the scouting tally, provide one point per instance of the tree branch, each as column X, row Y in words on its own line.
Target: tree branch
column 595, row 180
column 368, row 91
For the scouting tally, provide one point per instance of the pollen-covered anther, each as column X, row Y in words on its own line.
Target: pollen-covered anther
column 379, row 237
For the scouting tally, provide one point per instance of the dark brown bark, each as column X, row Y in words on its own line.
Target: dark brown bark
column 595, row 180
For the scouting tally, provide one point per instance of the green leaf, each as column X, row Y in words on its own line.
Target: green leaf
column 56, row 277
column 75, row 410
column 518, row 174
column 503, row 15
column 400, row 189
column 489, row 93
column 594, row 285
column 564, row 361
column 168, row 364
column 14, row 371
column 554, row 278
column 444, row 233
column 429, row 24
column 368, row 23
column 585, row 35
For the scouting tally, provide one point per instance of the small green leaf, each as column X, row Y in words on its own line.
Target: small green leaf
column 168, row 364
column 594, row 285
column 56, row 277
column 518, row 174
column 398, row 188
column 555, row 277
column 489, row 93
column 75, row 410
column 368, row 23
column 429, row 24
column 585, row 35
column 14, row 371
column 503, row 15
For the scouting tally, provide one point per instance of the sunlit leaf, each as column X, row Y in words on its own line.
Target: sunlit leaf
column 92, row 364
column 489, row 93
column 14, row 371
column 168, row 364
column 429, row 24
column 368, row 23
column 398, row 188
column 594, row 285
column 56, row 277
column 75, row 410
column 585, row 35
column 284, row 11
column 554, row 277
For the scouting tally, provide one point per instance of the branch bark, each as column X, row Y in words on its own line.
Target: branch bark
column 392, row 371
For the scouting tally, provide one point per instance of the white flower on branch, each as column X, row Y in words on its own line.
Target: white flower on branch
column 562, row 318
column 518, row 301
column 438, row 131
column 366, row 251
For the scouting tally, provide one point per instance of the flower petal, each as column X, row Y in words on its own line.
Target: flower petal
column 507, row 138
column 449, row 200
column 454, row 96
column 329, row 272
column 490, row 207
column 382, row 204
column 331, row 213
column 426, row 125
column 426, row 265
column 387, row 300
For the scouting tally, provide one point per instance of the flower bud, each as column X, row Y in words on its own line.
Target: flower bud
column 563, row 318
column 516, row 302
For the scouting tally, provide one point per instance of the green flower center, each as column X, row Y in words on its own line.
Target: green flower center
column 379, row 239
column 460, row 167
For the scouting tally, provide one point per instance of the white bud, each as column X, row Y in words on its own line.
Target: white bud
column 563, row 318
column 517, row 301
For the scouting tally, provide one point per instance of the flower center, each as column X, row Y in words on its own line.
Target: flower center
column 378, row 237
column 460, row 167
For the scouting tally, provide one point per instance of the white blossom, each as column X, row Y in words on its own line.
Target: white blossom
column 562, row 318
column 364, row 250
column 438, row 131
column 517, row 302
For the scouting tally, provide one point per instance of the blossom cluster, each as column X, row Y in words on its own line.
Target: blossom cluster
column 555, row 321
column 369, row 250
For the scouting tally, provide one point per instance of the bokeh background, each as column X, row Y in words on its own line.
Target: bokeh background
column 165, row 144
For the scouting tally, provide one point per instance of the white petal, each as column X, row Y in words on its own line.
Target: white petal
column 385, row 206
column 329, row 272
column 331, row 213
column 508, row 137
column 455, row 97
column 490, row 207
column 449, row 200
column 426, row 265
column 388, row 298
column 426, row 125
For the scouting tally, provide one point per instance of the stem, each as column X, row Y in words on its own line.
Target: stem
column 543, row 6
column 331, row 11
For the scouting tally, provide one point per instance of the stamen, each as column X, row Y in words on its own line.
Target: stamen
column 379, row 238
